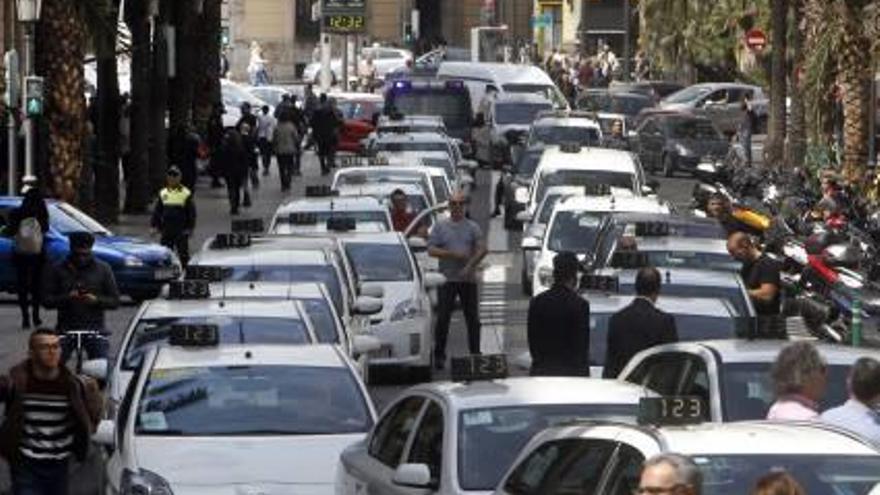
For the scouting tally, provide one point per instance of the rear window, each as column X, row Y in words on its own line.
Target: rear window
column 453, row 107
column 692, row 129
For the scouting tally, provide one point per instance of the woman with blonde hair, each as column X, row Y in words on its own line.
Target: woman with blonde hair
column 778, row 483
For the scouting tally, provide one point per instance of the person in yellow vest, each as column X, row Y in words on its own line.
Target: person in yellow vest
column 174, row 215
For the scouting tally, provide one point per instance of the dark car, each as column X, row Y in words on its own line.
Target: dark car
column 667, row 142
column 449, row 100
column 606, row 101
column 516, row 176
column 656, row 90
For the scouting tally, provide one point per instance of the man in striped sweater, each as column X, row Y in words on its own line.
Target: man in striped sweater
column 49, row 417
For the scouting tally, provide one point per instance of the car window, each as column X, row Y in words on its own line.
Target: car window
column 125, row 407
column 660, row 372
column 392, row 432
column 427, row 445
column 379, row 262
column 624, row 477
column 570, row 466
column 440, row 189
column 696, row 381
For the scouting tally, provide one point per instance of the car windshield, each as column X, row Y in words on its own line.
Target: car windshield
column 563, row 134
column 731, row 293
column 398, row 146
column 251, row 400
column 442, row 163
column 365, row 221
column 626, row 105
column 151, row 332
column 688, row 95
column 619, row 180
column 379, row 262
column 548, row 91
column 490, row 439
column 574, row 231
column 270, row 96
column 697, row 129
column 816, row 473
column 527, row 163
column 360, row 110
column 234, row 96
column 748, row 391
column 66, row 219
column 410, row 128
column 518, row 113
column 324, row 274
column 692, row 259
column 327, row 325
column 441, row 189
column 547, row 208
column 453, row 107
column 689, row 327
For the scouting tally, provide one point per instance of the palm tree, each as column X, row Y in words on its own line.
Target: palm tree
column 796, row 145
column 137, row 194
column 775, row 145
column 855, row 74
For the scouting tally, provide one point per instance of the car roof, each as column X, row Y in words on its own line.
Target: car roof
column 254, row 308
column 347, row 96
column 681, row 276
column 721, row 85
column 511, row 98
column 602, row 303
column 611, row 203
column 765, row 351
column 672, row 221
column 267, row 290
column 534, row 390
column 333, row 203
column 506, row 73
column 383, row 188
column 695, row 244
column 386, row 120
column 262, row 256
column 588, row 158
column 413, row 137
column 318, row 355
column 560, row 119
column 413, row 169
column 391, row 237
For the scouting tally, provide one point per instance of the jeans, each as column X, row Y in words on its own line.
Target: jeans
column 285, row 169
column 29, row 275
column 745, row 137
column 446, row 294
column 265, row 152
column 93, row 346
column 31, row 477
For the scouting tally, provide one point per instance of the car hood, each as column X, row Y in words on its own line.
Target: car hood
column 131, row 246
column 268, row 464
column 395, row 293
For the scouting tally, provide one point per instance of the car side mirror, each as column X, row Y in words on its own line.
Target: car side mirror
column 530, row 244
column 372, row 290
column 434, row 279
column 413, row 476
column 365, row 344
column 366, row 305
column 105, row 434
column 524, row 217
column 95, row 368
column 417, row 244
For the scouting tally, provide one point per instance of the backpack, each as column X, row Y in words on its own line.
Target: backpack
column 29, row 237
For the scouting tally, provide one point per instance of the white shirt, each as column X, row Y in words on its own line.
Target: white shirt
column 265, row 126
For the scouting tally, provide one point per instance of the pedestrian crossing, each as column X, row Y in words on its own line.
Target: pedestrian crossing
column 502, row 312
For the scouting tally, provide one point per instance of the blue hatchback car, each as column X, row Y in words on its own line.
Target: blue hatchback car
column 141, row 268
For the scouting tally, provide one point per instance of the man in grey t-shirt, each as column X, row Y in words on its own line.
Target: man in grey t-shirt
column 459, row 246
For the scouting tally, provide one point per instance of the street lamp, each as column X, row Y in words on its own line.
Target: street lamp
column 28, row 14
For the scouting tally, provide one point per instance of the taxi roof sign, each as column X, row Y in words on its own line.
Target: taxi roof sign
column 478, row 367
column 249, row 225
column 320, row 191
column 363, row 161
column 341, row 224
column 188, row 289
column 652, row 229
column 302, row 218
column 207, row 272
column 630, row 260
column 231, row 240
column 597, row 190
column 570, row 148
column 673, row 410
column 194, row 335
column 604, row 283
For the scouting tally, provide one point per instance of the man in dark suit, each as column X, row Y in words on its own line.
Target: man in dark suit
column 639, row 325
column 559, row 324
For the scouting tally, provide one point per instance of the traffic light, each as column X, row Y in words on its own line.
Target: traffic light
column 407, row 33
column 12, row 94
column 33, row 87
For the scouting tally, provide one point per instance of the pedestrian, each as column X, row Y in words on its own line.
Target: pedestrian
column 799, row 380
column 215, row 141
column 233, row 162
column 50, row 415
column 249, row 144
column 778, row 483
column 174, row 216
column 559, row 324
column 310, row 102
column 638, row 326
column 459, row 245
column 747, row 127
column 285, row 140
column 265, row 127
column 402, row 215
column 670, row 473
column 761, row 275
column 81, row 288
column 285, row 105
column 27, row 225
column 257, row 66
column 125, row 136
column 325, row 126
column 615, row 139
column 718, row 207
column 860, row 413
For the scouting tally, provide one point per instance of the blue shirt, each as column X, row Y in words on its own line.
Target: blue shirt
column 856, row 417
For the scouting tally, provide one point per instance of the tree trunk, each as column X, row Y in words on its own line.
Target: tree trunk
column 59, row 58
column 159, row 102
column 796, row 147
column 107, row 164
column 855, row 75
column 137, row 195
column 774, row 147
column 207, row 92
column 182, row 84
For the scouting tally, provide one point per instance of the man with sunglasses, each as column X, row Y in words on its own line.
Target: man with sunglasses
column 459, row 245
column 670, row 474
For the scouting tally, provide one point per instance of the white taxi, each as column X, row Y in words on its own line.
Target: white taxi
column 432, row 180
column 575, row 227
column 460, row 437
column 236, row 419
column 313, row 214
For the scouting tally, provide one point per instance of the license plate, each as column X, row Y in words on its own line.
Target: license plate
column 163, row 273
column 385, row 351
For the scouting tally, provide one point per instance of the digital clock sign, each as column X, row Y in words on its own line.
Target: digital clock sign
column 345, row 23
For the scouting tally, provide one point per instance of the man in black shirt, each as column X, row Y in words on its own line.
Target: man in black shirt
column 761, row 275
column 559, row 324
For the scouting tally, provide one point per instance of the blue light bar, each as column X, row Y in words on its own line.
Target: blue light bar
column 402, row 84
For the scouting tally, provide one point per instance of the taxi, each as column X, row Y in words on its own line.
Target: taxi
column 421, row 145
column 234, row 419
column 310, row 215
column 664, row 251
column 733, row 376
column 432, row 180
column 404, row 124
column 605, row 458
column 405, row 323
column 460, row 437
column 565, row 126
column 416, row 196
column 575, row 226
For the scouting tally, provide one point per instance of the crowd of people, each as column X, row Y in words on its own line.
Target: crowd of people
column 574, row 72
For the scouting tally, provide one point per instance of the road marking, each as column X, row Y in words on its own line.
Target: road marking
column 498, row 239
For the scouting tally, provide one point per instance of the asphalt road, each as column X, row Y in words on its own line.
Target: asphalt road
column 502, row 305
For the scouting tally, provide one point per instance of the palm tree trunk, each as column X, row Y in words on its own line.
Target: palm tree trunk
column 855, row 75
column 59, row 58
column 796, row 147
column 137, row 193
column 207, row 92
column 107, row 164
column 181, row 86
column 159, row 102
column 775, row 144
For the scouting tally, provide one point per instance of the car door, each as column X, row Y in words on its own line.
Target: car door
column 370, row 471
column 713, row 106
column 648, row 143
column 7, row 247
column 661, row 372
column 427, row 446
column 565, row 466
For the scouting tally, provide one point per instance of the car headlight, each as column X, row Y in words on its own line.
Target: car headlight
column 133, row 261
column 143, row 482
column 521, row 195
column 682, row 149
column 545, row 276
column 407, row 309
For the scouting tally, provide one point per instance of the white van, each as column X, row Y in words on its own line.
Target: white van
column 508, row 78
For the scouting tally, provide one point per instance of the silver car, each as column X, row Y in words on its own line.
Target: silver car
column 720, row 102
